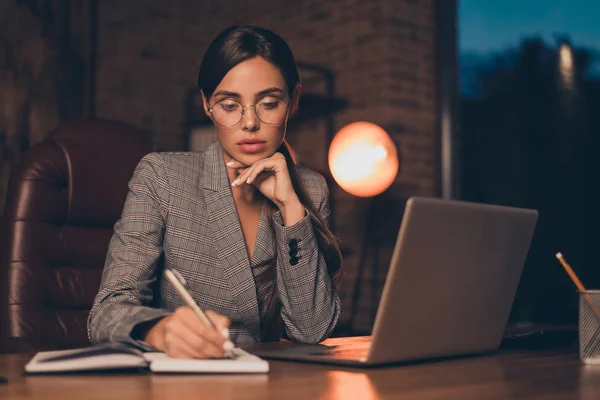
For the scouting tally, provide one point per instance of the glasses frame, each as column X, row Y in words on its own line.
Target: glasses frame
column 211, row 109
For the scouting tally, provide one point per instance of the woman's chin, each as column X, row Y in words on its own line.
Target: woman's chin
column 249, row 159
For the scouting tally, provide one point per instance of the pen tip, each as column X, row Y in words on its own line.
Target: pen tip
column 228, row 346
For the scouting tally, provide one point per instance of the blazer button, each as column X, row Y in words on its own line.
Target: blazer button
column 293, row 243
column 293, row 252
column 293, row 260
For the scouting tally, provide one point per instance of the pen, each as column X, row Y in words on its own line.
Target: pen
column 179, row 283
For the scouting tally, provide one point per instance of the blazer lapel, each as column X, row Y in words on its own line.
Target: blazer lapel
column 265, row 248
column 229, row 240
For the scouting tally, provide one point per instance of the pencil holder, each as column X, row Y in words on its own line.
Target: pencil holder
column 589, row 326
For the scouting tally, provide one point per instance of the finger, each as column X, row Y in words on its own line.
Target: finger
column 221, row 322
column 243, row 176
column 261, row 177
column 209, row 334
column 202, row 348
column 238, row 166
column 274, row 163
column 269, row 164
column 188, row 317
column 233, row 164
column 205, row 340
column 256, row 172
column 179, row 349
column 176, row 346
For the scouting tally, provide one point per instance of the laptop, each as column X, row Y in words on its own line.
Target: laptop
column 449, row 289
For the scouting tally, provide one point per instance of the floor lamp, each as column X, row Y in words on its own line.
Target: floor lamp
column 363, row 160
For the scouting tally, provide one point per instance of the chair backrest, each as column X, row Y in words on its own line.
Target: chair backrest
column 64, row 196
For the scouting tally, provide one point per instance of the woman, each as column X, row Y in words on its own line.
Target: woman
column 244, row 226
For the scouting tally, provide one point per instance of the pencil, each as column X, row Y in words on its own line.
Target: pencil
column 570, row 271
column 594, row 339
column 577, row 282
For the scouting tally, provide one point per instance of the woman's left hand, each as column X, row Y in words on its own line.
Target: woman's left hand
column 271, row 177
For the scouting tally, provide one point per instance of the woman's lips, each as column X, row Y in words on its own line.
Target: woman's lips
column 252, row 147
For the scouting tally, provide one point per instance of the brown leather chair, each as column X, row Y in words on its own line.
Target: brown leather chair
column 64, row 196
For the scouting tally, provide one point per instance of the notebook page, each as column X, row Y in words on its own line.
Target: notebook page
column 242, row 362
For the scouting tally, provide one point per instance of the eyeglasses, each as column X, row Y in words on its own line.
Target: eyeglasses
column 229, row 112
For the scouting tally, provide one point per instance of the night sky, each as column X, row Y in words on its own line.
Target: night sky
column 488, row 26
column 495, row 24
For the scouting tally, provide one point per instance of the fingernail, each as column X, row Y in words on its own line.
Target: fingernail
column 249, row 180
column 225, row 333
column 230, row 164
column 234, row 183
column 228, row 346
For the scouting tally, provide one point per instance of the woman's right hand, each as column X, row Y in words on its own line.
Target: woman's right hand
column 183, row 335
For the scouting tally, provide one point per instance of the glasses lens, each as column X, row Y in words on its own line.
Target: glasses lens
column 227, row 112
column 271, row 110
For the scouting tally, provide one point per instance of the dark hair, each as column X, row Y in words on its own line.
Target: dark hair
column 240, row 43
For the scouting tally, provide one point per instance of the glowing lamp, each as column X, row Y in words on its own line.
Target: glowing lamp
column 363, row 159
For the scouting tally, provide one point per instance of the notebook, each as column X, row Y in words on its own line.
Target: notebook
column 449, row 290
column 112, row 357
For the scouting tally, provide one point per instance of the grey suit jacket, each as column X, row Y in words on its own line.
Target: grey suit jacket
column 180, row 213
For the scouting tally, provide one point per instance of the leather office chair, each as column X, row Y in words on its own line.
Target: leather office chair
column 64, row 196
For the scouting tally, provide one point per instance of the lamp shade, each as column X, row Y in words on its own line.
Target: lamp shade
column 363, row 159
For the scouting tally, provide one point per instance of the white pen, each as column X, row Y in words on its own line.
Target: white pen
column 176, row 280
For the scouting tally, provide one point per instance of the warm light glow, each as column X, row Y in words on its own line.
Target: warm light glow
column 349, row 385
column 566, row 57
column 363, row 159
column 566, row 65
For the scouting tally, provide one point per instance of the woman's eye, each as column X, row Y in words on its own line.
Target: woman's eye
column 270, row 104
column 228, row 106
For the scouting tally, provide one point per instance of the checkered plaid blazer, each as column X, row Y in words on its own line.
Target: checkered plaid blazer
column 179, row 213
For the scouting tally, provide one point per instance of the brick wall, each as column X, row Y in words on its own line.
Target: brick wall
column 42, row 75
column 382, row 52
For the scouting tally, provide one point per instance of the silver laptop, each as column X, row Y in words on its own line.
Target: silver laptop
column 449, row 289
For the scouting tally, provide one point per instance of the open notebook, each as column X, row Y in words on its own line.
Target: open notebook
column 109, row 357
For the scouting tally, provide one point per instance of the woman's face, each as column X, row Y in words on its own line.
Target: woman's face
column 251, row 82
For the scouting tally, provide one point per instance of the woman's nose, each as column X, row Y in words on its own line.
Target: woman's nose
column 249, row 118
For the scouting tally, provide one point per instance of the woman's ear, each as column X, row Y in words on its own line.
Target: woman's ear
column 205, row 104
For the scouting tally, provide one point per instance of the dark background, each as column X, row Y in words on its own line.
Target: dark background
column 529, row 133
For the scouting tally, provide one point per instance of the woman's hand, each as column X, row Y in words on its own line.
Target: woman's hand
column 183, row 335
column 272, row 178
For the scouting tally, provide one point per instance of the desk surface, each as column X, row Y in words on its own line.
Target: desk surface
column 509, row 374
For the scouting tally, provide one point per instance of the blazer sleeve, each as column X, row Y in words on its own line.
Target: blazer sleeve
column 310, row 306
column 130, row 270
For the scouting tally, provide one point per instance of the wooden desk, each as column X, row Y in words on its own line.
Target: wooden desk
column 512, row 374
